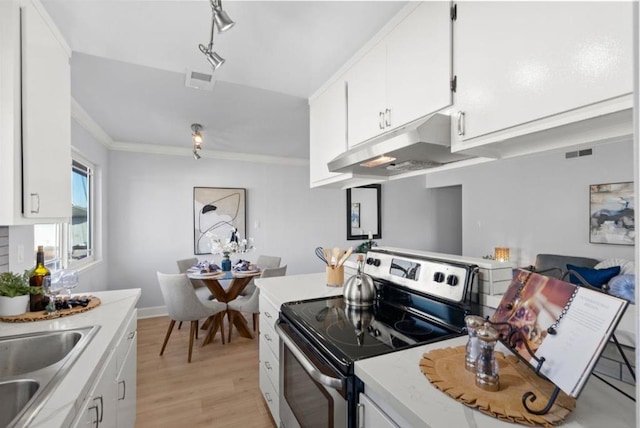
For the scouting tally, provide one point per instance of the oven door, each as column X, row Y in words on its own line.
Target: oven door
column 312, row 392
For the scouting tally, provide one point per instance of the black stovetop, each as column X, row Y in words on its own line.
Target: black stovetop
column 347, row 334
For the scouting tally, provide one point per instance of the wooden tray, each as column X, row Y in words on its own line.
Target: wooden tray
column 42, row 315
column 445, row 369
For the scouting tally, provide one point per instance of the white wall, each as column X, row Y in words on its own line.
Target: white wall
column 151, row 209
column 537, row 204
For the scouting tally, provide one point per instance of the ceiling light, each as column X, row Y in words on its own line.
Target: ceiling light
column 378, row 161
column 196, row 137
column 221, row 20
column 220, row 17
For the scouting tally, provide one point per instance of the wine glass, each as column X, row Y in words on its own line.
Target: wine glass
column 69, row 280
column 51, row 289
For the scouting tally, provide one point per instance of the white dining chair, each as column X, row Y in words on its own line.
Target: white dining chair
column 263, row 262
column 183, row 305
column 249, row 304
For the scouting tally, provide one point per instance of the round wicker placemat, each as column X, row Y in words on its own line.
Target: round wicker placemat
column 42, row 315
column 445, row 369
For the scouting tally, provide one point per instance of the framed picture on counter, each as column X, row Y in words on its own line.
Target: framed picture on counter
column 218, row 213
column 611, row 208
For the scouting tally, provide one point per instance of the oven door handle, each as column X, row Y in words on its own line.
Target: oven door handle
column 318, row 376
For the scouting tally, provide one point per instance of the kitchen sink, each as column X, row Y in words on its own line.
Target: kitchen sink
column 14, row 396
column 28, row 353
column 31, row 365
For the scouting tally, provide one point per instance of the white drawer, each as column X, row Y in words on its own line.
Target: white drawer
column 270, row 396
column 269, row 337
column 268, row 310
column 269, row 364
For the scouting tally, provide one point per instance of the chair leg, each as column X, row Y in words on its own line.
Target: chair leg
column 179, row 325
column 194, row 329
column 231, row 317
column 221, row 320
column 166, row 337
column 255, row 321
column 197, row 324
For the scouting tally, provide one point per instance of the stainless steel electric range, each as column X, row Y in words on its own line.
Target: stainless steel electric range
column 419, row 300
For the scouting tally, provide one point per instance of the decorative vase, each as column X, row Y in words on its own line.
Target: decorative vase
column 10, row 306
column 226, row 262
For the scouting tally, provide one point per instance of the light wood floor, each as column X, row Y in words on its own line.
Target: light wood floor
column 219, row 388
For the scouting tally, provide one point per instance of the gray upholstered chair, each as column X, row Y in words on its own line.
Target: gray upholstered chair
column 183, row 305
column 263, row 262
column 555, row 265
column 202, row 291
column 249, row 304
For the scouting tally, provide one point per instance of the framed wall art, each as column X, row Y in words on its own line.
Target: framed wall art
column 611, row 209
column 217, row 213
column 355, row 215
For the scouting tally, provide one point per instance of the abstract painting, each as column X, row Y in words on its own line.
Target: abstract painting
column 217, row 213
column 355, row 215
column 611, row 211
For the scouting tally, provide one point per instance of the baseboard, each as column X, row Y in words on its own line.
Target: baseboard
column 157, row 311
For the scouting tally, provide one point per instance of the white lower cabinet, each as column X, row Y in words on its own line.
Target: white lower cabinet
column 269, row 357
column 111, row 401
column 371, row 416
column 99, row 409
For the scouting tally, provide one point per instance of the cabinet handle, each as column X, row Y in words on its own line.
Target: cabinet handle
column 267, row 314
column 267, row 365
column 97, row 422
column 360, row 416
column 124, row 389
column 268, row 397
column 101, row 407
column 35, row 201
column 387, row 119
column 381, row 120
column 461, row 123
column 267, row 338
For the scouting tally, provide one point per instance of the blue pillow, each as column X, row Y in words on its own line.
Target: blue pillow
column 595, row 277
column 624, row 286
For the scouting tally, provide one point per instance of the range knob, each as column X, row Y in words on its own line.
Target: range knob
column 369, row 260
column 376, row 262
column 452, row 280
column 438, row 277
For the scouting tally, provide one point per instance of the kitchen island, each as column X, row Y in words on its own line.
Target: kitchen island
column 114, row 315
column 396, row 385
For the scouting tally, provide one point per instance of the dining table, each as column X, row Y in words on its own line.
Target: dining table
column 239, row 280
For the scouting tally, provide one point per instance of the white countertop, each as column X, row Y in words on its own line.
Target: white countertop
column 396, row 379
column 290, row 288
column 68, row 395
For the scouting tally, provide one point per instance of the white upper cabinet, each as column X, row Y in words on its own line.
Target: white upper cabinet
column 35, row 139
column 527, row 67
column 403, row 77
column 327, row 128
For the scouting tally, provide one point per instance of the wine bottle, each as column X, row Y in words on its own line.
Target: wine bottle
column 38, row 302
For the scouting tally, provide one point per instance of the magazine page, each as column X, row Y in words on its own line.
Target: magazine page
column 534, row 302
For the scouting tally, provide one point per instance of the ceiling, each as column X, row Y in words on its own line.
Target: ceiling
column 130, row 60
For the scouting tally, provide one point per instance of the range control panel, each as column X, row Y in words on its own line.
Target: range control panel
column 440, row 278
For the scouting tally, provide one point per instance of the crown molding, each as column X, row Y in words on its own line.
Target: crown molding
column 83, row 118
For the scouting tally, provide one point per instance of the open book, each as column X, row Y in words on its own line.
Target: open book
column 583, row 321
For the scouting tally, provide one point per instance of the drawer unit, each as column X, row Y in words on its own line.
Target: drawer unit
column 269, row 364
column 270, row 396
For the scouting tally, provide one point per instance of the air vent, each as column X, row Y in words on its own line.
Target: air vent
column 411, row 165
column 197, row 80
column 578, row 153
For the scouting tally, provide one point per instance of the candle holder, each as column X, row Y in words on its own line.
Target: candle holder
column 501, row 254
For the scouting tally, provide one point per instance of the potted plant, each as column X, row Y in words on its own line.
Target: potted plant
column 14, row 293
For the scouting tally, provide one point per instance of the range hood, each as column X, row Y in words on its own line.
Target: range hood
column 425, row 143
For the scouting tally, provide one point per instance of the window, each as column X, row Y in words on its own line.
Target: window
column 70, row 245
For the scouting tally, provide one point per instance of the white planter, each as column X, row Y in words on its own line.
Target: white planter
column 13, row 305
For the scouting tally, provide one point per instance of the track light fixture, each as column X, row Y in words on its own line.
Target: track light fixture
column 221, row 20
column 196, row 137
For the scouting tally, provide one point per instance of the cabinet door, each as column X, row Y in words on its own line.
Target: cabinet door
column 370, row 415
column 327, row 128
column 46, row 120
column 518, row 62
column 419, row 64
column 99, row 409
column 126, row 387
column 367, row 96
